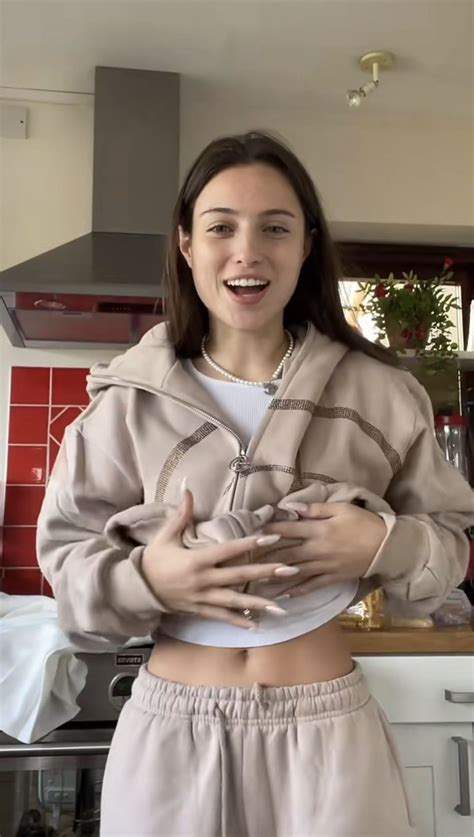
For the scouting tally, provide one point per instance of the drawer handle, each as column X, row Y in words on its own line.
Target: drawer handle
column 464, row 807
column 54, row 749
column 459, row 697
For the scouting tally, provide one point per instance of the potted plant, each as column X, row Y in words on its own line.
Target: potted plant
column 414, row 314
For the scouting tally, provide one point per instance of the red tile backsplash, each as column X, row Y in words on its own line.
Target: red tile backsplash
column 53, row 452
column 26, row 465
column 69, row 387
column 60, row 418
column 43, row 402
column 28, row 425
column 19, row 546
column 30, row 385
column 22, row 582
column 22, row 505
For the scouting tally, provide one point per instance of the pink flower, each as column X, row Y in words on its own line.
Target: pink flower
column 448, row 262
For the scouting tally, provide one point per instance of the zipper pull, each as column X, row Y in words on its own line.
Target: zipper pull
column 240, row 464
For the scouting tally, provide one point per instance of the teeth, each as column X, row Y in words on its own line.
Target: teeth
column 244, row 283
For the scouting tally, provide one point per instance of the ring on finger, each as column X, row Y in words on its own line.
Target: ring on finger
column 251, row 615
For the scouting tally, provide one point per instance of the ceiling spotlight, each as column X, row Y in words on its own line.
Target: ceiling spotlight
column 371, row 62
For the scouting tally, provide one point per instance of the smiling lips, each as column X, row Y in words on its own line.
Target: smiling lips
column 247, row 290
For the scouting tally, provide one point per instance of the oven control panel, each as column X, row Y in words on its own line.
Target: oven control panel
column 120, row 689
column 109, row 682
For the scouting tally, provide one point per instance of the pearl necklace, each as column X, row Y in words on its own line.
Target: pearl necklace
column 270, row 388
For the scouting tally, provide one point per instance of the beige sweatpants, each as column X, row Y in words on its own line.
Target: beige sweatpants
column 294, row 761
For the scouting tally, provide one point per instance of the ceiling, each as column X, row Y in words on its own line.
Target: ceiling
column 304, row 52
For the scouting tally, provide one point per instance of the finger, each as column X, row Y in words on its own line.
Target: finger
column 233, row 576
column 175, row 526
column 318, row 511
column 240, row 601
column 297, row 529
column 223, row 615
column 296, row 554
column 313, row 568
column 309, row 586
column 212, row 555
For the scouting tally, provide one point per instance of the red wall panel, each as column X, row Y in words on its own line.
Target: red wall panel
column 43, row 402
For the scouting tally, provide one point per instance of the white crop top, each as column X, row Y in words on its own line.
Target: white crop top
column 245, row 406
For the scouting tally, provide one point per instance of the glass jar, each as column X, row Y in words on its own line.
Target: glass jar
column 368, row 614
column 451, row 433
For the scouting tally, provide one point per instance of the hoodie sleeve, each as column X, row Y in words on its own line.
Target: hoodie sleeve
column 101, row 594
column 426, row 553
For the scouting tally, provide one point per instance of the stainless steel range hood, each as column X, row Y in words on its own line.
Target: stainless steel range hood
column 105, row 288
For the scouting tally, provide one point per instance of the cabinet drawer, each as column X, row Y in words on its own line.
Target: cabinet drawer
column 412, row 689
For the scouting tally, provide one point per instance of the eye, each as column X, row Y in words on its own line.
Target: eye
column 275, row 229
column 220, row 228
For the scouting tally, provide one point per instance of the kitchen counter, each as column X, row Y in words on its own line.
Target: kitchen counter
column 435, row 640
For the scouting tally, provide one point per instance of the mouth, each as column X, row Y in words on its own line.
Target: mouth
column 247, row 289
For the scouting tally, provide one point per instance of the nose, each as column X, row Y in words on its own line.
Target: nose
column 247, row 248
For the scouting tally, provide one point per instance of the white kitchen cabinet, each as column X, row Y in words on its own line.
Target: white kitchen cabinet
column 430, row 758
column 411, row 690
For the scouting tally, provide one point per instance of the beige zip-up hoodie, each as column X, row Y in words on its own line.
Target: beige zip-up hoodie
column 340, row 424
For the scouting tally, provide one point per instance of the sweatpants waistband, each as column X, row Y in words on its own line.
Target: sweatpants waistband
column 253, row 704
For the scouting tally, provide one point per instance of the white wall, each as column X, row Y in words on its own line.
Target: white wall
column 367, row 169
column 46, row 181
column 391, row 170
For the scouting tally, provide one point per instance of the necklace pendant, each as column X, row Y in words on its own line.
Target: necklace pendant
column 270, row 389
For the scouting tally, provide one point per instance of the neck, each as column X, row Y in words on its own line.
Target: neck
column 252, row 356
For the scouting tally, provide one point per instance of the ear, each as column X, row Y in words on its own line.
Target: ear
column 184, row 243
column 308, row 243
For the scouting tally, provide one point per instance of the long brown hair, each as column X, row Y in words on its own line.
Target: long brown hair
column 316, row 296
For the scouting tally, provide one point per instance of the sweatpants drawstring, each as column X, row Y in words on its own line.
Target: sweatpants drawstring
column 224, row 770
column 257, row 690
column 258, row 695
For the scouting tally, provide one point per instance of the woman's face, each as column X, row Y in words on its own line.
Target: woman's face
column 248, row 230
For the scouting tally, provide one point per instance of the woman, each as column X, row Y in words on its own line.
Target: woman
column 302, row 479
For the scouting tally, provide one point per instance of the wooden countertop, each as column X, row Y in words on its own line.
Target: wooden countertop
column 412, row 641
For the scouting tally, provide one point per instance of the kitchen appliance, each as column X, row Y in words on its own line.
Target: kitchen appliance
column 469, row 413
column 454, row 433
column 106, row 288
column 451, row 434
column 56, row 782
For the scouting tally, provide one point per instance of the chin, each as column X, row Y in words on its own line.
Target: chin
column 255, row 323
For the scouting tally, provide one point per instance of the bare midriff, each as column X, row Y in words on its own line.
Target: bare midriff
column 322, row 654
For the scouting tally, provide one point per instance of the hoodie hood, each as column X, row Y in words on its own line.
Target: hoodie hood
column 145, row 364
column 152, row 365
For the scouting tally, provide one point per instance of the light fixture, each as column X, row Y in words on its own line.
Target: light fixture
column 370, row 62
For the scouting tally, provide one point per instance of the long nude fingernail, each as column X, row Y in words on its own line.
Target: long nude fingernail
column 275, row 609
column 287, row 570
column 268, row 540
column 184, row 487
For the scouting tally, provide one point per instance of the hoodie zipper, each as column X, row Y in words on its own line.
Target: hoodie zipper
column 238, row 464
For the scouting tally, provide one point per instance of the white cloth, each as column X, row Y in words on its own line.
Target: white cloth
column 40, row 678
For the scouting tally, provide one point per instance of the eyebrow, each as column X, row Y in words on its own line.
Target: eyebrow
column 267, row 213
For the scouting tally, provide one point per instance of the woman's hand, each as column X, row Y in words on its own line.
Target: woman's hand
column 191, row 581
column 339, row 541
